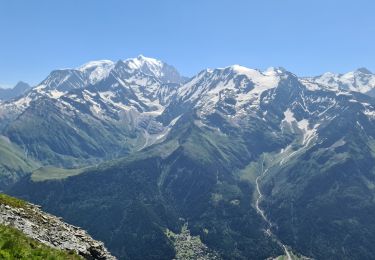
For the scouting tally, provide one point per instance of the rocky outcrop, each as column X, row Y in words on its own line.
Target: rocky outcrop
column 51, row 231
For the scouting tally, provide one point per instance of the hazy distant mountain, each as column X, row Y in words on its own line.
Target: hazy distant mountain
column 9, row 93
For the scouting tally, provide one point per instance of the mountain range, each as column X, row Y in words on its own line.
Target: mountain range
column 250, row 164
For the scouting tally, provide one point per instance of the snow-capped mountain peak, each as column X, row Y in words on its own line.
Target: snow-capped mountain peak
column 155, row 68
column 141, row 68
column 97, row 70
column 138, row 82
column 146, row 64
column 242, row 70
column 92, row 65
column 361, row 80
column 236, row 86
column 275, row 70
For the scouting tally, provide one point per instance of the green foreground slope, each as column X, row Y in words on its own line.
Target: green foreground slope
column 13, row 163
column 15, row 245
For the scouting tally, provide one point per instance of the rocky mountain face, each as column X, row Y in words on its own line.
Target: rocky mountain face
column 19, row 89
column 50, row 230
column 256, row 163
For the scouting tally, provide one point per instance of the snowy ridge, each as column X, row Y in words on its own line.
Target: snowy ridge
column 97, row 70
column 147, row 65
column 242, row 85
column 133, row 83
column 361, row 80
column 109, row 89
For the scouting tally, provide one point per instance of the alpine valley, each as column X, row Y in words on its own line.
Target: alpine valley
column 233, row 163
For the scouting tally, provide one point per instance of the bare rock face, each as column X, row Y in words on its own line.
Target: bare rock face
column 51, row 231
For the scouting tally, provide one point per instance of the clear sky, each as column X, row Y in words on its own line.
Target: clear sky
column 307, row 37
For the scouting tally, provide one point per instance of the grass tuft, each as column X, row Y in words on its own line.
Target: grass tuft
column 12, row 202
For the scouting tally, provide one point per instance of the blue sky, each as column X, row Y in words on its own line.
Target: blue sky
column 307, row 37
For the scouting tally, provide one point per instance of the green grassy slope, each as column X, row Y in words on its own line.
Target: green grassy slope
column 11, row 201
column 54, row 173
column 67, row 139
column 13, row 163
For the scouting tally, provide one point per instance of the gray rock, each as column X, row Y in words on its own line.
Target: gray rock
column 52, row 231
